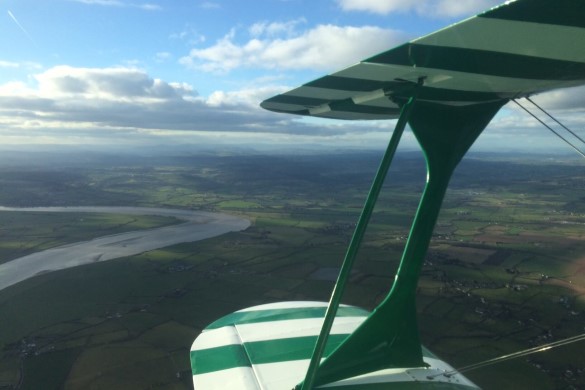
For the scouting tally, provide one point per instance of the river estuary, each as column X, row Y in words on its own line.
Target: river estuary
column 198, row 225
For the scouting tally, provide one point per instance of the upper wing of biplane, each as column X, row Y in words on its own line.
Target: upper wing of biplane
column 514, row 50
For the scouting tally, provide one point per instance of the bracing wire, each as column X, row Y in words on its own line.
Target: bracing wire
column 515, row 355
column 551, row 129
column 556, row 120
column 544, row 347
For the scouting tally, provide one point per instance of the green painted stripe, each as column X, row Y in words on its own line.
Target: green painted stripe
column 217, row 359
column 336, row 105
column 349, row 116
column 282, row 350
column 353, row 84
column 262, row 352
column 507, row 36
column 559, row 12
column 350, row 106
column 426, row 93
column 481, row 62
column 283, row 111
column 255, row 316
column 298, row 100
column 258, row 352
column 452, row 95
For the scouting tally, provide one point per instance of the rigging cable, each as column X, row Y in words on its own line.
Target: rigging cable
column 544, row 347
column 555, row 119
column 551, row 129
column 526, row 352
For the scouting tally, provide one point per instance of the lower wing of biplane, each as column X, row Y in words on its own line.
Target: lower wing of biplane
column 447, row 86
column 269, row 347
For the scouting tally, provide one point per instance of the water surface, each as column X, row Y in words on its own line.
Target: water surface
column 198, row 225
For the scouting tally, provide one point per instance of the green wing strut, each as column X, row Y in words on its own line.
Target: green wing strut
column 389, row 338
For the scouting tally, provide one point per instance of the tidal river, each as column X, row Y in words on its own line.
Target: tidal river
column 198, row 225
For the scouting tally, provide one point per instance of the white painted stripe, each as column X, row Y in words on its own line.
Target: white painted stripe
column 322, row 109
column 369, row 96
column 286, row 305
column 380, row 72
column 233, row 378
column 513, row 37
column 295, row 328
column 374, row 98
column 459, row 81
column 283, row 375
column 216, row 338
column 338, row 114
column 382, row 103
column 322, row 93
column 273, row 330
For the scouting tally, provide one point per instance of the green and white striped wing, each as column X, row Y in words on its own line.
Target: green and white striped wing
column 268, row 347
column 520, row 48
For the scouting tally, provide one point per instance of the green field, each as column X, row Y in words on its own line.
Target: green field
column 505, row 270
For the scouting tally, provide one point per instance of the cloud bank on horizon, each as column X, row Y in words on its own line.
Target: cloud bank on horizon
column 135, row 72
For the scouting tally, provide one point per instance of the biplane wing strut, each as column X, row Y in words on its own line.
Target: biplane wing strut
column 356, row 240
column 389, row 337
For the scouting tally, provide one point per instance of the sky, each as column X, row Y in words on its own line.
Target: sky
column 193, row 72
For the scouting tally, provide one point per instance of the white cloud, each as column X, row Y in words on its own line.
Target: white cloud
column 275, row 28
column 325, row 47
column 9, row 64
column 99, row 99
column 123, row 102
column 116, row 84
column 427, row 8
column 250, row 96
column 565, row 105
column 515, row 129
column 568, row 98
column 127, row 106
